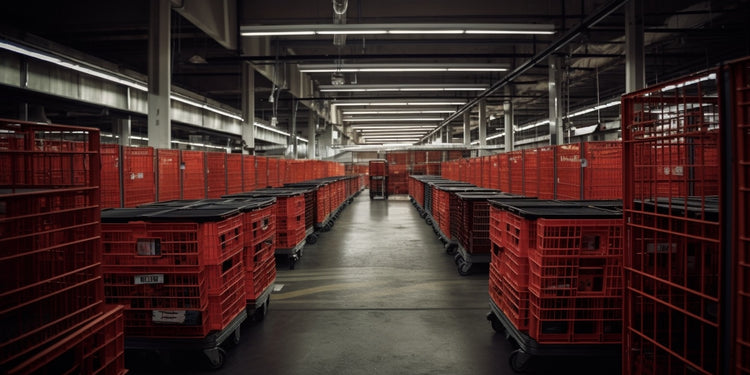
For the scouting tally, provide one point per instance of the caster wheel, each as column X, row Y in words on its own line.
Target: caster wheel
column 215, row 358
column 261, row 312
column 519, row 361
column 464, row 268
column 312, row 239
column 428, row 221
column 236, row 337
column 450, row 248
column 496, row 325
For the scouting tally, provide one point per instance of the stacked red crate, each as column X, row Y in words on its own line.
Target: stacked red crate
column 397, row 178
column 530, row 169
column 602, row 176
column 138, row 176
column 234, row 174
column 178, row 271
column 740, row 91
column 261, row 172
column 168, row 173
column 216, row 174
column 546, row 168
column 486, row 172
column 568, row 166
column 50, row 271
column 494, row 172
column 504, row 172
column 248, row 168
column 441, row 210
column 273, row 172
column 110, row 189
column 515, row 171
column 673, row 265
column 193, row 174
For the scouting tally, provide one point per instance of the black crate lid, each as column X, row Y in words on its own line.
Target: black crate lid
column 551, row 209
column 479, row 195
column 242, row 204
column 124, row 215
column 267, row 192
column 693, row 207
column 177, row 203
column 459, row 189
column 608, row 204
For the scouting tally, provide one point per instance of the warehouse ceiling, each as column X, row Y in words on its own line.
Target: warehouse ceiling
column 681, row 36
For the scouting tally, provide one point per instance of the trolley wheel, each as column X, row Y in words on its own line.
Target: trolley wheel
column 519, row 361
column 236, row 336
column 428, row 221
column 216, row 357
column 451, row 248
column 496, row 325
column 312, row 238
column 464, row 267
column 423, row 214
column 261, row 312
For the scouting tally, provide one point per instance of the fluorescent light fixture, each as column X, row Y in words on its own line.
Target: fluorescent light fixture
column 393, row 127
column 531, row 126
column 270, row 129
column 475, row 143
column 498, row 135
column 200, row 145
column 592, row 109
column 401, row 87
column 398, row 68
column 198, row 104
column 391, row 119
column 73, row 65
column 399, row 112
column 303, row 139
column 397, row 29
column 708, row 77
column 138, row 138
column 387, row 103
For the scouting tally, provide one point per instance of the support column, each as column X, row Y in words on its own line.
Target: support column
column 482, row 125
column 635, row 61
column 122, row 128
column 248, row 108
column 311, row 122
column 508, row 112
column 159, row 75
column 293, row 129
column 467, row 128
column 555, row 100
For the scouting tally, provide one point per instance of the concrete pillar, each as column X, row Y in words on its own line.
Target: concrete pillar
column 467, row 128
column 311, row 122
column 159, row 75
column 635, row 61
column 482, row 124
column 555, row 100
column 122, row 128
column 508, row 112
column 248, row 108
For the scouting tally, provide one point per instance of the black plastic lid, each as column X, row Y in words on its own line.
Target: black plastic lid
column 267, row 192
column 537, row 208
column 177, row 203
column 609, row 204
column 480, row 195
column 124, row 215
column 693, row 207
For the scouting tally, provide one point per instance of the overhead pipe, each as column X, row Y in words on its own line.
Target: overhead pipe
column 597, row 16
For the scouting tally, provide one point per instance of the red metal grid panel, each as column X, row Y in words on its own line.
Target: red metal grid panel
column 531, row 172
column 504, row 172
column 486, row 167
column 546, row 167
column 378, row 168
column 261, row 172
column 602, row 175
column 110, row 189
column 283, row 172
column 741, row 138
column 138, row 175
column 96, row 347
column 234, row 173
column 216, row 174
column 169, row 174
column 672, row 266
column 568, row 166
column 248, row 179
column 515, row 170
column 193, row 175
column 494, row 172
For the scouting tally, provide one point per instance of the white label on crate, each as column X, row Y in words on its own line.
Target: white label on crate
column 175, row 317
column 156, row 278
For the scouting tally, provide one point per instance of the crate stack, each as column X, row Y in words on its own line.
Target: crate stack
column 674, row 305
column 53, row 315
column 178, row 271
column 556, row 275
column 379, row 176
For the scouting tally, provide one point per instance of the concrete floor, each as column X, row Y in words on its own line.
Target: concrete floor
column 375, row 295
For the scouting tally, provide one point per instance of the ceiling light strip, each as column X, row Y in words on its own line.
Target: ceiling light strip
column 397, row 29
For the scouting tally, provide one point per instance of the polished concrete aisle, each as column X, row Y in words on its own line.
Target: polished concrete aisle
column 375, row 295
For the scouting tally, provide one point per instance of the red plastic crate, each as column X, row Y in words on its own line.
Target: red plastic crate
column 273, row 172
column 515, row 170
column 486, row 171
column 494, row 172
column 248, row 178
column 531, row 173
column 515, row 305
column 96, row 347
column 235, row 173
column 574, row 237
column 496, row 226
column 182, row 288
column 228, row 304
column 261, row 172
column 504, row 173
column 193, row 175
column 168, row 173
column 602, row 175
column 568, row 166
column 110, row 189
column 139, row 186
column 546, row 168
column 216, row 174
column 220, row 276
column 571, row 320
column 518, row 233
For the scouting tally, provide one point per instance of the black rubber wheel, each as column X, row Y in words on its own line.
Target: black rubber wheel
column 450, row 248
column 463, row 267
column 260, row 312
column 218, row 362
column 312, row 239
column 428, row 221
column 236, row 337
column 519, row 361
column 495, row 322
